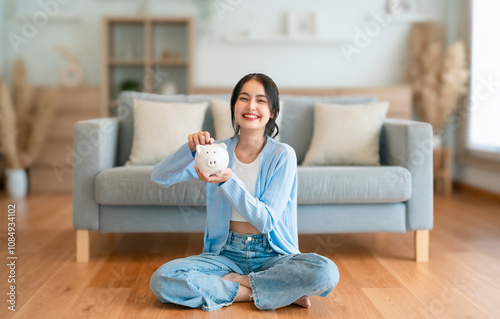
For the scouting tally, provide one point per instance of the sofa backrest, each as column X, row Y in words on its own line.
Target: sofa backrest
column 296, row 126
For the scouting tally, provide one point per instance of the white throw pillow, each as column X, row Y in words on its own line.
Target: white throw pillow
column 346, row 134
column 161, row 128
column 221, row 112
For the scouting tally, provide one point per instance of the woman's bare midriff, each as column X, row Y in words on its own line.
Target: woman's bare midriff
column 243, row 228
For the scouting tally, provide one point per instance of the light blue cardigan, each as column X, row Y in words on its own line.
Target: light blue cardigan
column 273, row 210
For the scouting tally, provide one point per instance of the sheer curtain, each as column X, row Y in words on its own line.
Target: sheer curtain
column 484, row 121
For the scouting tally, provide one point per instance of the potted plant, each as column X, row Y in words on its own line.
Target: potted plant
column 438, row 77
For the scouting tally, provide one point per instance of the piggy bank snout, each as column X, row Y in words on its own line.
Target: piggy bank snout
column 212, row 162
column 211, row 159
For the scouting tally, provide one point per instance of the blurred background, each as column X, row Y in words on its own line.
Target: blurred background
column 72, row 58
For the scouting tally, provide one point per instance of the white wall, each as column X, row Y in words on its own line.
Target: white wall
column 2, row 39
column 220, row 63
column 378, row 64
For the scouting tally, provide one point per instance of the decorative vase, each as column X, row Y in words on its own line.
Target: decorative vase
column 169, row 88
column 72, row 75
column 17, row 182
column 437, row 141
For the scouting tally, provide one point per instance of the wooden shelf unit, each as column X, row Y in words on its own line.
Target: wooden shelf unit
column 149, row 36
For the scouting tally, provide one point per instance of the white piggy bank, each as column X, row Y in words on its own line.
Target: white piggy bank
column 211, row 159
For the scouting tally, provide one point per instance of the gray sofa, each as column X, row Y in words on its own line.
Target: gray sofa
column 394, row 197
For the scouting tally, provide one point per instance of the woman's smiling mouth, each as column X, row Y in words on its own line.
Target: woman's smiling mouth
column 250, row 116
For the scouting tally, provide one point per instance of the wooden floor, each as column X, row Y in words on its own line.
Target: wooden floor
column 378, row 277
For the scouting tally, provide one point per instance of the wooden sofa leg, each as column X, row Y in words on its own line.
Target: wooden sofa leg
column 422, row 245
column 82, row 246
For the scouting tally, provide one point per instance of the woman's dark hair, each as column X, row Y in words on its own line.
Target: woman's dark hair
column 273, row 99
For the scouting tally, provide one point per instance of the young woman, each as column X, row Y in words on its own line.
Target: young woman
column 251, row 250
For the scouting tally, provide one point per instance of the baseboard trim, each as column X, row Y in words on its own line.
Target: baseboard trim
column 473, row 190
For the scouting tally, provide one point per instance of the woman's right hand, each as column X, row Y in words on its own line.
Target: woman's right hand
column 200, row 138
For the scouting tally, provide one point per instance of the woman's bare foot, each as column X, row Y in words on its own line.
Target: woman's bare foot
column 232, row 276
column 303, row 301
column 244, row 294
column 244, row 291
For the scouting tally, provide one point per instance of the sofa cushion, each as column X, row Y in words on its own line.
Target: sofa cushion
column 132, row 185
column 221, row 112
column 316, row 185
column 125, row 115
column 161, row 128
column 353, row 184
column 298, row 121
column 346, row 135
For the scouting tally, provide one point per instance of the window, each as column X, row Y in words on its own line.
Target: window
column 484, row 121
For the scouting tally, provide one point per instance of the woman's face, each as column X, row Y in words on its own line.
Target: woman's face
column 252, row 111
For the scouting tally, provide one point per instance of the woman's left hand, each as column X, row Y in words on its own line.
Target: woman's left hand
column 226, row 174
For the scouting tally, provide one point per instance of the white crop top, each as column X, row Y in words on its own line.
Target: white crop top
column 248, row 174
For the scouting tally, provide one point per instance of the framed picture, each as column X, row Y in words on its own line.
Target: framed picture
column 301, row 24
column 404, row 7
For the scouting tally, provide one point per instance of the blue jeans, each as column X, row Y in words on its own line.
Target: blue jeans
column 276, row 280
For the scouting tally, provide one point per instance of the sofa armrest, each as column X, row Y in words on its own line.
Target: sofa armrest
column 409, row 144
column 95, row 149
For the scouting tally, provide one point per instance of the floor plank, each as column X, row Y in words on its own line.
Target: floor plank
column 395, row 302
column 62, row 290
column 98, row 303
column 484, row 298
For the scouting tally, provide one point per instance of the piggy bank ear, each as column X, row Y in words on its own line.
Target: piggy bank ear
column 222, row 145
column 199, row 148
